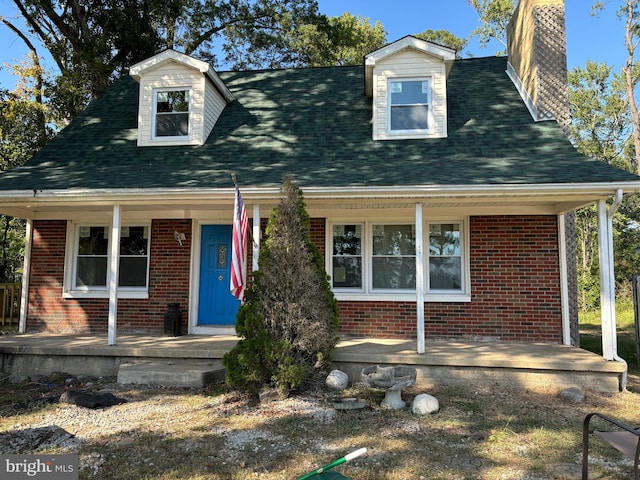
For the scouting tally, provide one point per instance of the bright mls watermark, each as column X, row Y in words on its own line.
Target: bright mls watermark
column 49, row 467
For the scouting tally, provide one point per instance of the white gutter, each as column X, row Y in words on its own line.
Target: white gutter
column 607, row 283
column 359, row 192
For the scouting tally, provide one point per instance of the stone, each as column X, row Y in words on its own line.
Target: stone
column 337, row 380
column 573, row 394
column 90, row 400
column 425, row 404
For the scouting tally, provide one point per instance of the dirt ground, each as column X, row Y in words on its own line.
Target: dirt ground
column 480, row 432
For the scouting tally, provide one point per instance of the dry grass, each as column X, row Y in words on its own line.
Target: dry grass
column 481, row 432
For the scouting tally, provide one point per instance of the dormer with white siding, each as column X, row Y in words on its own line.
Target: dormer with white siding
column 181, row 99
column 407, row 82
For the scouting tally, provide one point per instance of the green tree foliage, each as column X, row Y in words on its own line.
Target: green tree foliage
column 444, row 38
column 494, row 18
column 95, row 41
column 25, row 126
column 289, row 319
column 341, row 40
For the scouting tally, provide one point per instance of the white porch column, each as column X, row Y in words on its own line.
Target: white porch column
column 256, row 237
column 419, row 280
column 564, row 286
column 607, row 279
column 113, row 275
column 26, row 272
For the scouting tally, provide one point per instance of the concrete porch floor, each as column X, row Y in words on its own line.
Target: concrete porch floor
column 526, row 365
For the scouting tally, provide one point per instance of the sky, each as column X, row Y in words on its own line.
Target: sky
column 599, row 39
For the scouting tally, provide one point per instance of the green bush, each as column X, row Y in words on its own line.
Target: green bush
column 289, row 319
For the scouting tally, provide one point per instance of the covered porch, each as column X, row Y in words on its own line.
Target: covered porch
column 509, row 364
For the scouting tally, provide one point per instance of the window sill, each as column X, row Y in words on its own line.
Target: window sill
column 143, row 295
column 401, row 297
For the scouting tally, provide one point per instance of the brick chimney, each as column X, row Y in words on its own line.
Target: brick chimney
column 537, row 48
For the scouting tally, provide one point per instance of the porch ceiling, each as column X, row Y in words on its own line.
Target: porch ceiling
column 184, row 203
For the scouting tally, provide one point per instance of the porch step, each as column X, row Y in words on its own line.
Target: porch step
column 171, row 374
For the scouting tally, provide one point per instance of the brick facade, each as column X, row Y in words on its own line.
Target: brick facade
column 514, row 285
column 168, row 283
column 515, row 289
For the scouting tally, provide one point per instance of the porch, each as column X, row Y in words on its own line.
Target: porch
column 521, row 365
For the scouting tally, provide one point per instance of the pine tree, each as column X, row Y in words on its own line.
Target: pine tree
column 289, row 320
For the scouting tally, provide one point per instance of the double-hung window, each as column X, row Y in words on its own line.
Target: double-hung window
column 91, row 252
column 393, row 257
column 409, row 105
column 171, row 113
column 372, row 259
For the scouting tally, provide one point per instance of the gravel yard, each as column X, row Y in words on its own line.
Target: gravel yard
column 479, row 433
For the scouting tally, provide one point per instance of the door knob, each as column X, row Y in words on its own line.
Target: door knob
column 220, row 277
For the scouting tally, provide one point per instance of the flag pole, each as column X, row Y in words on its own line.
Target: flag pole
column 335, row 463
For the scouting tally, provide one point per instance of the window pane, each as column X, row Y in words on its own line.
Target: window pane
column 347, row 240
column 92, row 241
column 177, row 101
column 91, row 272
column 394, row 272
column 133, row 241
column 414, row 117
column 172, row 124
column 445, row 273
column 409, row 92
column 132, row 272
column 347, row 256
column 394, row 240
column 444, row 239
column 347, row 272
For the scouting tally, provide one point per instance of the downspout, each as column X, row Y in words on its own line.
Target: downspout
column 607, row 284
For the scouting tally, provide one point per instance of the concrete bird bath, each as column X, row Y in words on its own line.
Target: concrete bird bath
column 390, row 379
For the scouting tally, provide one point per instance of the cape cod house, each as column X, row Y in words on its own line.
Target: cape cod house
column 437, row 189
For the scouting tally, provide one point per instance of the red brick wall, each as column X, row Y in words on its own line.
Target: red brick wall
column 168, row 283
column 514, row 285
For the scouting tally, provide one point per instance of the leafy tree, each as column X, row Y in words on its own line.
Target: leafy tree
column 94, row 41
column 494, row 18
column 444, row 38
column 25, row 127
column 289, row 320
column 341, row 40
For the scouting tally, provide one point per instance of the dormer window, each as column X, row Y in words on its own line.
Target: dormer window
column 409, row 105
column 171, row 113
column 407, row 83
column 181, row 99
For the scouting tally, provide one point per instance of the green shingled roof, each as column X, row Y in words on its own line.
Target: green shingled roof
column 316, row 124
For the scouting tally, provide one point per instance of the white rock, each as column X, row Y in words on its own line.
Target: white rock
column 337, row 380
column 425, row 404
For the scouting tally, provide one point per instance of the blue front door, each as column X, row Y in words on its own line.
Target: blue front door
column 216, row 304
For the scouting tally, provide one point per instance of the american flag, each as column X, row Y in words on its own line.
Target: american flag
column 239, row 248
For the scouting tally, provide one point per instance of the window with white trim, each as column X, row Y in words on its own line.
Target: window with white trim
column 347, row 256
column 393, row 265
column 171, row 113
column 91, row 253
column 409, row 105
column 445, row 272
column 373, row 258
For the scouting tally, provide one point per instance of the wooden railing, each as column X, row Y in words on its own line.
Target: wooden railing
column 9, row 303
